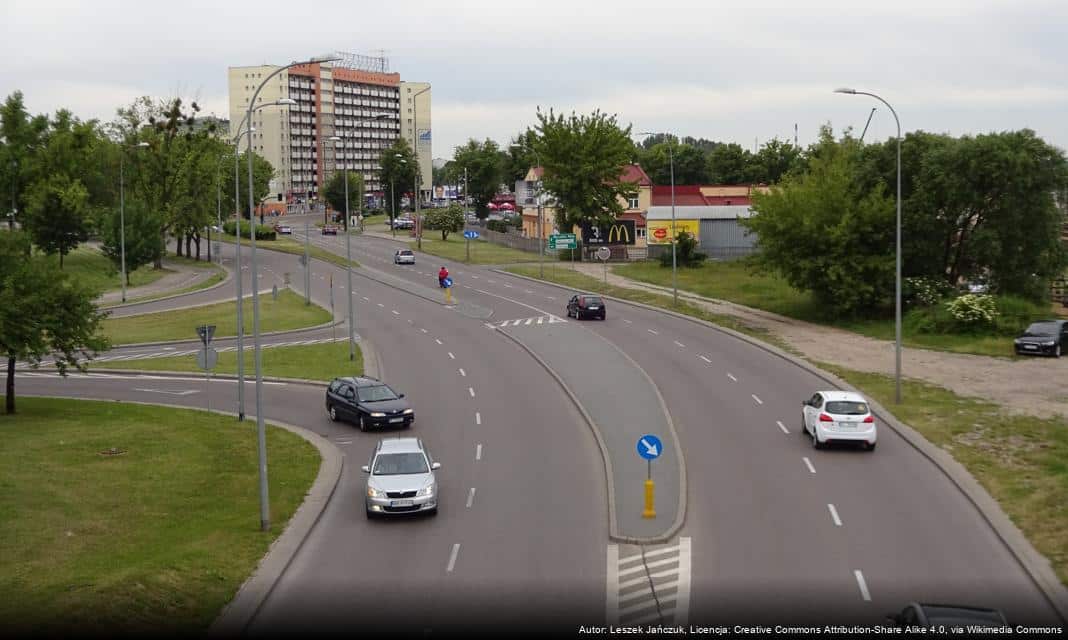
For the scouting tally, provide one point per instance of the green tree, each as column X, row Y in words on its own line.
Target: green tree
column 43, row 312
column 686, row 253
column 21, row 137
column 262, row 173
column 691, row 165
column 583, row 158
column 334, row 192
column 484, row 171
column 728, row 164
column 774, row 160
column 397, row 177
column 446, row 219
column 143, row 242
column 823, row 233
column 521, row 156
column 56, row 216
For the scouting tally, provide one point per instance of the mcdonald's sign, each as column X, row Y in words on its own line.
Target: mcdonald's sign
column 619, row 232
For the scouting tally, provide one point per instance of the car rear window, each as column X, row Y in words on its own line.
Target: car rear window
column 406, row 252
column 592, row 300
column 847, row 408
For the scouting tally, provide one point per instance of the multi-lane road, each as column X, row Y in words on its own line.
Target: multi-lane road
column 773, row 529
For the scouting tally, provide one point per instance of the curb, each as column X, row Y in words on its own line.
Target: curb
column 1037, row 566
column 325, row 325
column 238, row 613
column 198, row 376
column 226, row 280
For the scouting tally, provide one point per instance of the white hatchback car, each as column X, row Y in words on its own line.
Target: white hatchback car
column 838, row 416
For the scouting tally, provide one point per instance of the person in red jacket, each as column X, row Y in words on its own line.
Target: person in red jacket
column 444, row 273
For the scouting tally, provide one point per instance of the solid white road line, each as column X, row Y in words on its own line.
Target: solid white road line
column 463, row 373
column 653, row 331
column 808, row 463
column 680, row 344
column 478, row 451
column 705, row 359
column 470, row 497
column 758, row 400
column 452, row 557
column 783, row 427
column 863, row 585
column 472, row 391
column 733, row 379
column 438, row 341
column 611, row 605
column 834, row 515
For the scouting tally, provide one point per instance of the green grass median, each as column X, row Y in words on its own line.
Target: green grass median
column 322, row 362
column 157, row 538
column 288, row 312
column 482, row 252
column 295, row 247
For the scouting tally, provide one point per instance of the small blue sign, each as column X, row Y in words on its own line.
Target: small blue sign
column 447, row 282
column 649, row 447
column 470, row 235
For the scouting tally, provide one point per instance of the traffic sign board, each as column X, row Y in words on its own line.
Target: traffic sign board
column 207, row 358
column 447, row 282
column 650, row 447
column 604, row 253
column 470, row 235
column 562, row 241
column 206, row 332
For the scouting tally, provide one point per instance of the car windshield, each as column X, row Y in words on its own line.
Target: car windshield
column 376, row 393
column 847, row 408
column 1043, row 329
column 397, row 464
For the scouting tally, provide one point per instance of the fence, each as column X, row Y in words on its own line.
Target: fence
column 512, row 240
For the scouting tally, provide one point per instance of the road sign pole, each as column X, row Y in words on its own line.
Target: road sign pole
column 307, row 266
column 467, row 243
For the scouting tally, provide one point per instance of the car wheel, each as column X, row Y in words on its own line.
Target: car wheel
column 816, row 444
column 363, row 425
column 370, row 514
column 871, row 447
column 333, row 413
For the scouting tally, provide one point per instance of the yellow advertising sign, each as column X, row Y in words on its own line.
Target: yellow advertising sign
column 659, row 231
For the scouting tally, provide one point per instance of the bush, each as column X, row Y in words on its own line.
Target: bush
column 1011, row 314
column 924, row 291
column 974, row 311
column 1015, row 313
column 263, row 232
column 686, row 253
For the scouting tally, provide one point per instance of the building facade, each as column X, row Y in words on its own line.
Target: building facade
column 356, row 99
column 709, row 212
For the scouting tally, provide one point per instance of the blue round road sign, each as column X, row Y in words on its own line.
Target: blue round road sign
column 650, row 447
column 447, row 282
column 470, row 235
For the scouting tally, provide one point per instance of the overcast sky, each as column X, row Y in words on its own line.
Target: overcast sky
column 736, row 72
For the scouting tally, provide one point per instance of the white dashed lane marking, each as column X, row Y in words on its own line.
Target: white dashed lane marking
column 758, row 400
column 808, row 463
column 472, row 391
column 834, row 515
column 653, row 331
column 733, row 379
column 783, row 427
column 705, row 359
column 863, row 585
column 680, row 345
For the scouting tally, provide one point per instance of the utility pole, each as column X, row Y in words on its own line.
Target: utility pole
column 307, row 265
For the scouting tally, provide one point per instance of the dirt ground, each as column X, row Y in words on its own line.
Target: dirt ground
column 1035, row 386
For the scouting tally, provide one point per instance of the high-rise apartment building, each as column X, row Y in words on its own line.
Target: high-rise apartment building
column 356, row 99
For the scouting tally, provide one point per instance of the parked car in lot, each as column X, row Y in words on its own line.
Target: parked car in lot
column 329, row 230
column 283, row 229
column 838, row 416
column 1045, row 337
column 947, row 615
column 584, row 305
column 403, row 256
column 400, row 478
column 367, row 402
column 402, row 223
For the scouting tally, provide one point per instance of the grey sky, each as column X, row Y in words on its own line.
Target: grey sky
column 737, row 72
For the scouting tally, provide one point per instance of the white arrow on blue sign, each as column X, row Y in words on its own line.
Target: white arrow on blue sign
column 447, row 282
column 470, row 235
column 650, row 447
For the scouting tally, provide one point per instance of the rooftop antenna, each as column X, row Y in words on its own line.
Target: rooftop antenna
column 866, row 124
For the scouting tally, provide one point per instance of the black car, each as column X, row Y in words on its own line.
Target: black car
column 584, row 305
column 367, row 402
column 949, row 615
column 1045, row 337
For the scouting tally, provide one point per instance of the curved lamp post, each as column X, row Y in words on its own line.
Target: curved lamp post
column 897, row 274
column 261, row 435
column 674, row 233
column 122, row 210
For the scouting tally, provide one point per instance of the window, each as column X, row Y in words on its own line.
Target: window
column 632, row 203
column 640, row 231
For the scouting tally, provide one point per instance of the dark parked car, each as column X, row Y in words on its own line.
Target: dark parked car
column 367, row 402
column 584, row 305
column 1045, row 337
column 949, row 615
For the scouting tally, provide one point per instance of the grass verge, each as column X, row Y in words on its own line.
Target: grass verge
column 288, row 312
column 90, row 267
column 288, row 245
column 482, row 252
column 215, row 279
column 1022, row 461
column 322, row 362
column 156, row 539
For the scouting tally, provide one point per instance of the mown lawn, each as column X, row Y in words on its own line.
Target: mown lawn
column 288, row 312
column 89, row 266
column 154, row 540
column 295, row 247
column 482, row 252
column 311, row 362
column 1022, row 461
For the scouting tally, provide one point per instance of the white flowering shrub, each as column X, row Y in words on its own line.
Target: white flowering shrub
column 974, row 310
column 924, row 291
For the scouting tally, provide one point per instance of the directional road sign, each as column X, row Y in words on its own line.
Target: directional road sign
column 206, row 332
column 447, row 282
column 650, row 447
column 207, row 358
column 562, row 241
column 470, row 235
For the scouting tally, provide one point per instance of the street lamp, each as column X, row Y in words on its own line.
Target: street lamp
column 261, row 430
column 122, row 210
column 348, row 253
column 674, row 236
column 897, row 274
column 415, row 137
column 393, row 197
column 541, row 225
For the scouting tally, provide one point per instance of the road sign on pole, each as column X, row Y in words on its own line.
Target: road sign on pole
column 206, row 332
column 470, row 234
column 650, row 447
column 562, row 241
column 207, row 358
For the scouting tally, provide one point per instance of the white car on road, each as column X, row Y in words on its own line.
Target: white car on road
column 838, row 416
column 403, row 256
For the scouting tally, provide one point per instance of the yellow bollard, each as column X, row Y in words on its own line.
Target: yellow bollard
column 448, row 296
column 650, row 511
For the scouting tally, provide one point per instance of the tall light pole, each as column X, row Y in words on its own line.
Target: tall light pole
column 261, row 431
column 122, row 210
column 541, row 224
column 674, row 233
column 415, row 137
column 897, row 273
column 348, row 252
column 393, row 197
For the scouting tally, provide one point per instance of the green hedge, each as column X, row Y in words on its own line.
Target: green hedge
column 263, row 232
column 1014, row 314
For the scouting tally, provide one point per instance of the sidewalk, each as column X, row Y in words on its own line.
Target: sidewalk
column 184, row 276
column 1035, row 386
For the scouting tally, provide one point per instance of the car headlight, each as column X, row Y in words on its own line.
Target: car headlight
column 374, row 493
column 377, row 414
column 1049, row 344
column 1016, row 341
column 426, row 491
column 408, row 412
